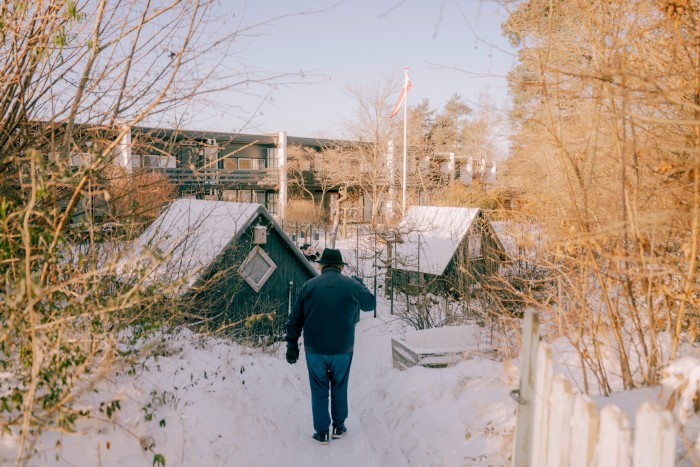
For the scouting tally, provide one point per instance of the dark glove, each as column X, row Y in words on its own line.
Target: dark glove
column 358, row 280
column 292, row 353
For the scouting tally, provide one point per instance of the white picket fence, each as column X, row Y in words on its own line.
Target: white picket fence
column 556, row 427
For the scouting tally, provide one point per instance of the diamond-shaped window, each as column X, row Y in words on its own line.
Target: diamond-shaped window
column 257, row 268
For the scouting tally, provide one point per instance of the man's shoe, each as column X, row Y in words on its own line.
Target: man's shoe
column 339, row 431
column 322, row 437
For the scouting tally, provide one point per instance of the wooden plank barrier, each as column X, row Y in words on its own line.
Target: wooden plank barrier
column 542, row 393
column 584, row 429
column 614, row 438
column 654, row 437
column 557, row 428
column 525, row 394
column 405, row 357
column 402, row 356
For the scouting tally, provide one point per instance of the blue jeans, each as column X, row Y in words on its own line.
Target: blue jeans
column 328, row 373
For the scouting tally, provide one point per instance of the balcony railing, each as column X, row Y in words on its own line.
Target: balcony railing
column 222, row 178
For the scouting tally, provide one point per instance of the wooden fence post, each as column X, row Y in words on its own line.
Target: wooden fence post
column 584, row 430
column 522, row 448
column 654, row 437
column 559, row 426
column 543, row 391
column 614, row 439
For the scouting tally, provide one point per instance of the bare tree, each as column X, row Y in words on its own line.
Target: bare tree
column 308, row 179
column 342, row 198
column 362, row 166
column 75, row 78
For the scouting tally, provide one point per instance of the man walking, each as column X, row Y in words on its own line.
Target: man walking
column 325, row 310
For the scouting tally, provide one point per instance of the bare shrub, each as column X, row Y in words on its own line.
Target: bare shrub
column 137, row 197
column 608, row 111
column 475, row 195
column 302, row 211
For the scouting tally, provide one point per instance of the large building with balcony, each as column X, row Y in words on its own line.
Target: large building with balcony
column 265, row 168
column 221, row 166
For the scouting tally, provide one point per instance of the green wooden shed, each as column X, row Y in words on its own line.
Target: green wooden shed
column 231, row 264
column 441, row 249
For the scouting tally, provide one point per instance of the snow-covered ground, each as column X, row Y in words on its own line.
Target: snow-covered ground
column 203, row 401
column 209, row 402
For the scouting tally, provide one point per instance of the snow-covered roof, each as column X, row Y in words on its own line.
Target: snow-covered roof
column 431, row 235
column 189, row 235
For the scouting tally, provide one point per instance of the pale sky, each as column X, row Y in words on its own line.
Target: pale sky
column 451, row 46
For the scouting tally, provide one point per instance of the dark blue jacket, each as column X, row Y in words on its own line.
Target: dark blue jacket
column 326, row 310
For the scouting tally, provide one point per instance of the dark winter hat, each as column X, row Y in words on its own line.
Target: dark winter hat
column 331, row 256
column 305, row 246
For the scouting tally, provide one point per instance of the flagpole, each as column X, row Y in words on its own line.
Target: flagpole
column 405, row 113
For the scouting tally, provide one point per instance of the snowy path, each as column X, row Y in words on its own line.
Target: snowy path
column 369, row 441
column 218, row 404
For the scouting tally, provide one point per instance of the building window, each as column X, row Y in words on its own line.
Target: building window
column 212, row 155
column 259, row 197
column 245, row 196
column 272, row 157
column 257, row 268
column 273, row 204
column 158, row 161
column 318, row 161
column 190, row 157
column 250, row 164
column 229, row 163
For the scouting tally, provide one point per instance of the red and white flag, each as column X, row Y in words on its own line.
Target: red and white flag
column 402, row 97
